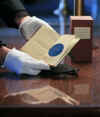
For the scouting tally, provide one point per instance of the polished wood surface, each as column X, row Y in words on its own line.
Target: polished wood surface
column 84, row 88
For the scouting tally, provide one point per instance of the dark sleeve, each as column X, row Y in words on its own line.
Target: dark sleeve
column 9, row 9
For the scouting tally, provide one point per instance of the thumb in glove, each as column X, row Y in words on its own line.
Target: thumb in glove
column 30, row 25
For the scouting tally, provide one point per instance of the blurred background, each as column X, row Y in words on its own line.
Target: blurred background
column 57, row 12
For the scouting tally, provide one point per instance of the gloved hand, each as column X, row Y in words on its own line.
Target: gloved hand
column 21, row 63
column 30, row 25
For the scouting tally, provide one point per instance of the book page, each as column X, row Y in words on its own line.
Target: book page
column 45, row 37
column 35, row 50
column 68, row 41
column 41, row 41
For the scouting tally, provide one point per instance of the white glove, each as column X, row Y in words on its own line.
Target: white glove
column 30, row 25
column 21, row 63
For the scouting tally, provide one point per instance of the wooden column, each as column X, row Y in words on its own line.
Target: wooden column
column 78, row 7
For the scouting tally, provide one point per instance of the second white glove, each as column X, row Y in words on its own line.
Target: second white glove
column 30, row 25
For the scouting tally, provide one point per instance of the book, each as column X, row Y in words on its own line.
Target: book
column 48, row 45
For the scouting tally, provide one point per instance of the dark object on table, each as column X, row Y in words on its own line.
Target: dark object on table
column 82, row 26
column 60, row 70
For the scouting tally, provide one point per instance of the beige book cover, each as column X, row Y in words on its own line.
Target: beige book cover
column 47, row 45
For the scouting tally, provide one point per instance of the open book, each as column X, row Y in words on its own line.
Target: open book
column 47, row 45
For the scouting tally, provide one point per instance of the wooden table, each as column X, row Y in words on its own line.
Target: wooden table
column 85, row 89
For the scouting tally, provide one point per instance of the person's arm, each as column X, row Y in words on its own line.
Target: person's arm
column 12, row 11
column 17, row 15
